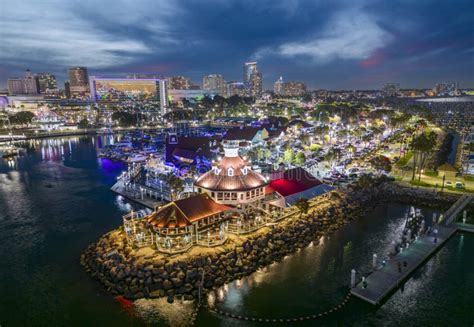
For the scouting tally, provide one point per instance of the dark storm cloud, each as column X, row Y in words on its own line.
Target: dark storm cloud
column 328, row 44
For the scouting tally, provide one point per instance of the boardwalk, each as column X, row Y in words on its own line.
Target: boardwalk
column 383, row 281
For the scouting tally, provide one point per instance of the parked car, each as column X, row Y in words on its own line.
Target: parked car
column 448, row 183
column 459, row 185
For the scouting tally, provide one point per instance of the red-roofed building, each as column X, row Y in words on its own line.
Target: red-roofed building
column 231, row 197
column 293, row 181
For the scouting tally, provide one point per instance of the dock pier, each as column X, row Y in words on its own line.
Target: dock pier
column 383, row 281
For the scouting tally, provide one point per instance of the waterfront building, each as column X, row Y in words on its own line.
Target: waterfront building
column 78, row 81
column 215, row 83
column 230, row 198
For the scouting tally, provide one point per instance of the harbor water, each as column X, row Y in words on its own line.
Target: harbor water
column 55, row 200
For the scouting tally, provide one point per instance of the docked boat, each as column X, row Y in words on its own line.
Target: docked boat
column 9, row 151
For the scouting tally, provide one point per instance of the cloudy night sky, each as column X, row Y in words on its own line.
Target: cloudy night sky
column 328, row 44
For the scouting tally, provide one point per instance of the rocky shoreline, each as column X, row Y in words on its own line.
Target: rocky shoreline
column 111, row 259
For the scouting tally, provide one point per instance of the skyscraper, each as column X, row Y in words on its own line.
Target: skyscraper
column 252, row 79
column 163, row 92
column 256, row 90
column 214, row 82
column 78, row 80
column 47, row 83
column 278, row 87
column 250, row 68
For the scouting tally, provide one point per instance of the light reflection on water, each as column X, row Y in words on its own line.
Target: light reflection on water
column 316, row 278
column 55, row 200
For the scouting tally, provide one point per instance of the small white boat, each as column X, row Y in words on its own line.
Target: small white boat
column 136, row 158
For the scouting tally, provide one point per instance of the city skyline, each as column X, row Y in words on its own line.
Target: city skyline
column 341, row 45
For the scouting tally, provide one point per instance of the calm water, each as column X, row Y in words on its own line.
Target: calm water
column 55, row 200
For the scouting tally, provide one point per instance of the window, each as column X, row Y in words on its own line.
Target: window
column 230, row 172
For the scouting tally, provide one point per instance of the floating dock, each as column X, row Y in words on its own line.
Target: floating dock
column 383, row 281
column 142, row 198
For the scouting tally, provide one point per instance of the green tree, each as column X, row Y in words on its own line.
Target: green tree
column 381, row 163
column 300, row 159
column 422, row 145
column 123, row 118
column 289, row 156
column 22, row 118
column 83, row 124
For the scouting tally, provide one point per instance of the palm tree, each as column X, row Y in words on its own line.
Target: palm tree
column 422, row 146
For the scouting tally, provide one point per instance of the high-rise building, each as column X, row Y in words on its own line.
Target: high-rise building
column 391, row 89
column 250, row 68
column 15, row 86
column 236, row 88
column 214, row 82
column 252, row 79
column 67, row 89
column 179, row 83
column 279, row 86
column 257, row 86
column 294, row 89
column 47, row 83
column 163, row 93
column 29, row 84
column 78, row 81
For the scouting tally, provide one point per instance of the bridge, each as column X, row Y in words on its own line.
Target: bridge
column 386, row 278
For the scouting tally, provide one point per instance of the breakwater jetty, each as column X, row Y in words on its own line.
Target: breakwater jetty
column 137, row 273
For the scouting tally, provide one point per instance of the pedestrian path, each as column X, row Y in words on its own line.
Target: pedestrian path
column 390, row 276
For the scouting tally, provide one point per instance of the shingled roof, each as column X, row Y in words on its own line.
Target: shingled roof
column 184, row 212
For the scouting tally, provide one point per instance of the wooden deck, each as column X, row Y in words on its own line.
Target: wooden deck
column 382, row 282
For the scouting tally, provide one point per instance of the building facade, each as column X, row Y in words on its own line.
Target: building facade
column 293, row 89
column 29, row 84
column 179, row 83
column 279, row 86
column 78, row 81
column 252, row 79
column 215, row 83
column 47, row 83
column 230, row 198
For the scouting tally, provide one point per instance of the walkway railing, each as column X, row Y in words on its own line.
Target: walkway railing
column 450, row 215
